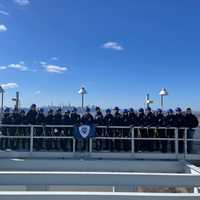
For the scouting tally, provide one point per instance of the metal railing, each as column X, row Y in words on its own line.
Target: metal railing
column 113, row 139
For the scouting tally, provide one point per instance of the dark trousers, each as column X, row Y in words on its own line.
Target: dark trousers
column 171, row 134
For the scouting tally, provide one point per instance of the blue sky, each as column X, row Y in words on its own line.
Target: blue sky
column 118, row 49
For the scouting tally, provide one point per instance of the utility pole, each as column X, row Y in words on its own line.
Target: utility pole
column 82, row 92
column 2, row 98
column 16, row 99
column 163, row 92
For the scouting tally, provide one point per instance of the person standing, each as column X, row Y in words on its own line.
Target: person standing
column 191, row 122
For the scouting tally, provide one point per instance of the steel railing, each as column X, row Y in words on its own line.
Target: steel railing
column 133, row 135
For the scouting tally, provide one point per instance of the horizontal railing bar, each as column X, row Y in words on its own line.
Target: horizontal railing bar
column 12, row 195
column 71, row 126
column 98, row 178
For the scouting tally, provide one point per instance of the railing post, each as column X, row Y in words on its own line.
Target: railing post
column 90, row 145
column 74, row 145
column 176, row 141
column 185, row 142
column 31, row 139
column 132, row 140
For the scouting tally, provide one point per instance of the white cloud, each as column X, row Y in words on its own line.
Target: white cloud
column 9, row 85
column 3, row 67
column 19, row 66
column 43, row 63
column 112, row 45
column 37, row 92
column 3, row 12
column 55, row 69
column 22, row 2
column 54, row 58
column 3, row 28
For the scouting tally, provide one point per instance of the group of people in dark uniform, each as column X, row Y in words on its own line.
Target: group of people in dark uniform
column 147, row 124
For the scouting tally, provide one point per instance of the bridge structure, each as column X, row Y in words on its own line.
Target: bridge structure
column 27, row 173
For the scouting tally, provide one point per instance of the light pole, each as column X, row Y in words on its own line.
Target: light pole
column 148, row 101
column 82, row 92
column 2, row 98
column 16, row 99
column 163, row 92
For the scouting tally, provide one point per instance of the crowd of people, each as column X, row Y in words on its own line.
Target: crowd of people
column 141, row 118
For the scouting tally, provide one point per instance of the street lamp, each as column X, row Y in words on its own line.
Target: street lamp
column 163, row 92
column 148, row 101
column 2, row 98
column 82, row 92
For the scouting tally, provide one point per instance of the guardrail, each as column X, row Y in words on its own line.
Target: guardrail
column 124, row 141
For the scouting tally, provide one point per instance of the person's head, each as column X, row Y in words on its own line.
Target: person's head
column 22, row 112
column 108, row 111
column 98, row 109
column 59, row 110
column 116, row 109
column 188, row 111
column 170, row 111
column 87, row 110
column 50, row 112
column 178, row 110
column 148, row 110
column 131, row 110
column 125, row 112
column 74, row 110
column 33, row 107
column 41, row 110
column 159, row 111
column 141, row 111
column 7, row 110
column 15, row 110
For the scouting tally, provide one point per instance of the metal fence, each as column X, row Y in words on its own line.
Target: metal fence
column 133, row 141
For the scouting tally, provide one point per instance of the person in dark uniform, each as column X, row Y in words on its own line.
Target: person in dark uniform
column 150, row 121
column 16, row 131
column 191, row 122
column 57, row 131
column 87, row 119
column 132, row 117
column 170, row 123
column 140, row 145
column 127, row 131
column 108, row 121
column 76, row 120
column 49, row 130
column 40, row 120
column 98, row 120
column 66, row 144
column 6, row 120
column 75, row 117
column 24, row 131
column 161, row 132
column 179, row 121
column 32, row 115
column 117, row 121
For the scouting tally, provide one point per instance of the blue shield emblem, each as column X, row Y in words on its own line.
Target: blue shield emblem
column 84, row 131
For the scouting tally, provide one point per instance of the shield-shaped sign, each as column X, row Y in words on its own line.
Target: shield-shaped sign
column 84, row 131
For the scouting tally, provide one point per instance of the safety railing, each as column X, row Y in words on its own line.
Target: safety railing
column 138, row 142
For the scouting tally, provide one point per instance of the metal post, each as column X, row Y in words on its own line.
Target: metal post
column 74, row 145
column 90, row 147
column 2, row 97
column 185, row 142
column 176, row 141
column 133, row 140
column 82, row 100
column 162, row 102
column 31, row 139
